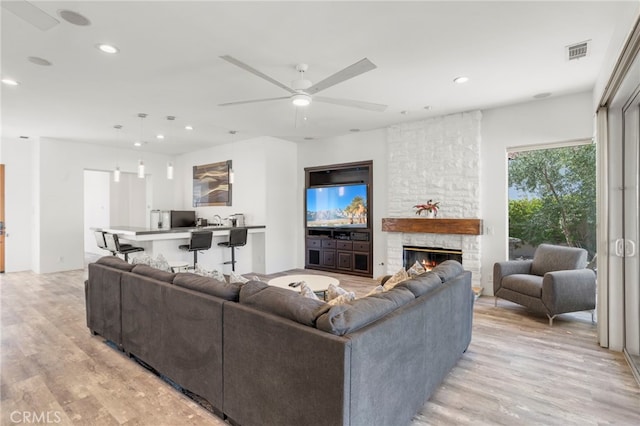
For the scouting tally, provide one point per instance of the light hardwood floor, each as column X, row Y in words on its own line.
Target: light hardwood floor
column 517, row 371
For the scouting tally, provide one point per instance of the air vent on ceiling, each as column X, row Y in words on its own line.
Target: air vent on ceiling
column 578, row 50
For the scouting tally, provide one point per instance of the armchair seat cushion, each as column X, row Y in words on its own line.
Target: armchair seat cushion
column 531, row 285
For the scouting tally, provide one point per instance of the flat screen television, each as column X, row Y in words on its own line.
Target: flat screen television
column 340, row 206
column 183, row 218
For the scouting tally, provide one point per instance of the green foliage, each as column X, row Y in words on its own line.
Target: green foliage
column 562, row 182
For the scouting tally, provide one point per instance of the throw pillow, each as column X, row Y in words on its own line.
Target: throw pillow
column 237, row 278
column 142, row 259
column 375, row 290
column 160, row 263
column 395, row 279
column 213, row 273
column 306, row 291
column 416, row 269
column 334, row 291
column 342, row 299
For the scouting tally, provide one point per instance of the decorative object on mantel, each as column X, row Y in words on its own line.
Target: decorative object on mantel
column 430, row 209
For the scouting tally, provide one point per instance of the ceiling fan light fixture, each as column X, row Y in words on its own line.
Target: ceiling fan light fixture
column 301, row 99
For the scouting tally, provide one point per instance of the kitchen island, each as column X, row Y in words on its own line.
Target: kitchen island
column 250, row 258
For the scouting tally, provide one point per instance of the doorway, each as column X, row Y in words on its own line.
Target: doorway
column 108, row 203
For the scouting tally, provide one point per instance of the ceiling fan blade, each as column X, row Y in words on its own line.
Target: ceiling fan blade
column 351, row 71
column 351, row 103
column 254, row 71
column 253, row 101
column 31, row 14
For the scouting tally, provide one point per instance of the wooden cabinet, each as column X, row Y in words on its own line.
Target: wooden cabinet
column 332, row 242
column 338, row 254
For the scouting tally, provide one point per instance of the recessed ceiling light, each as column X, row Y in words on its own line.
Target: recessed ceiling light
column 405, row 112
column 38, row 61
column 74, row 18
column 188, row 127
column 137, row 143
column 160, row 137
column 354, row 130
column 107, row 48
column 10, row 82
column 460, row 80
column 428, row 107
column 542, row 95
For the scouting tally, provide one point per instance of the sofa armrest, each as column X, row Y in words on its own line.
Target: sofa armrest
column 510, row 267
column 569, row 291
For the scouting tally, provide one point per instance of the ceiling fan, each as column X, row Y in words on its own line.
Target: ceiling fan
column 302, row 91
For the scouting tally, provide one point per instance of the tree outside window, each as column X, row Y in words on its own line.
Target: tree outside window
column 552, row 199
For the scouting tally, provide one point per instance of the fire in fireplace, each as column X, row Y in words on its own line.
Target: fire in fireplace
column 429, row 257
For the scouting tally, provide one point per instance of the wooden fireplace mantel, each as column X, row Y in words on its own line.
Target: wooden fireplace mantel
column 433, row 226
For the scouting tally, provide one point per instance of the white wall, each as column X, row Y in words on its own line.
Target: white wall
column 551, row 120
column 57, row 188
column 618, row 37
column 264, row 191
column 361, row 146
column 96, row 207
column 20, row 216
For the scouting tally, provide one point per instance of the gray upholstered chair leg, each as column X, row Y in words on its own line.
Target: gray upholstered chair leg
column 495, row 301
column 593, row 316
column 551, row 320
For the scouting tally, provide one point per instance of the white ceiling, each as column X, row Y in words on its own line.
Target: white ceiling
column 169, row 64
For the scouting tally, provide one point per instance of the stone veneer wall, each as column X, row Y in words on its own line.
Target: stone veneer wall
column 437, row 159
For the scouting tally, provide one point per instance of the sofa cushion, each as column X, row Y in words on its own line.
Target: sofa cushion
column 208, row 285
column 422, row 284
column 154, row 273
column 549, row 258
column 343, row 319
column 115, row 262
column 282, row 302
column 531, row 285
column 448, row 269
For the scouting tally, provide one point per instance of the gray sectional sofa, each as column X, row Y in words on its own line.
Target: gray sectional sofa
column 262, row 355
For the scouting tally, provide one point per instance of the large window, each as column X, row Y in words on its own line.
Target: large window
column 552, row 199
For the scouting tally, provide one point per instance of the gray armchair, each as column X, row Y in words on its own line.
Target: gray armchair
column 554, row 282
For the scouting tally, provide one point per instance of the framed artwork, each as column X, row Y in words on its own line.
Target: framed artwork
column 211, row 186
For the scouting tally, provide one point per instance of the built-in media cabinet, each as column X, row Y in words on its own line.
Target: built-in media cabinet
column 337, row 203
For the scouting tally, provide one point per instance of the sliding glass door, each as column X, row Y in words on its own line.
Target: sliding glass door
column 627, row 246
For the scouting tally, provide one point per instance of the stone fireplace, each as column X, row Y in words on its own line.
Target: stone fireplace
column 438, row 159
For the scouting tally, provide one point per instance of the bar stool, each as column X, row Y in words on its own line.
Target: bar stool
column 237, row 238
column 100, row 241
column 114, row 246
column 200, row 240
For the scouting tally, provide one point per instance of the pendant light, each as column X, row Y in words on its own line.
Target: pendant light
column 116, row 171
column 142, row 116
column 231, row 173
column 141, row 169
column 170, row 164
column 170, row 170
